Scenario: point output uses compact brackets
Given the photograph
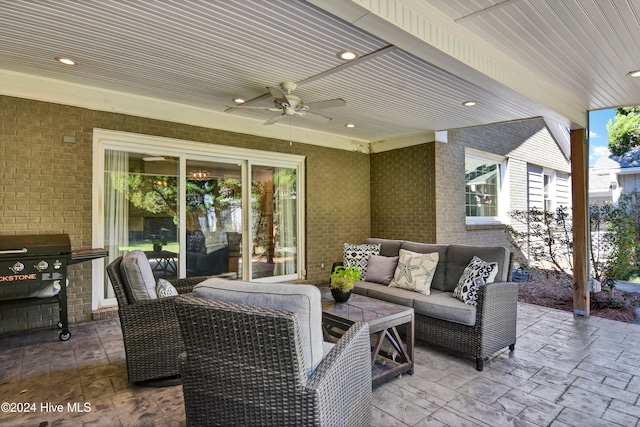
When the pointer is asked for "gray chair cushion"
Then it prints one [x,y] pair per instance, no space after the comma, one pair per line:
[459,256]
[304,300]
[442,305]
[140,284]
[438,281]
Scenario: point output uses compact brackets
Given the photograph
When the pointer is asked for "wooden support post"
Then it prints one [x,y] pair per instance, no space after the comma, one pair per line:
[581,300]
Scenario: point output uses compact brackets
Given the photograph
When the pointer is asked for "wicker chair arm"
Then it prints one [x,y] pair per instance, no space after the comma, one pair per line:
[497,304]
[498,294]
[185,285]
[148,311]
[342,381]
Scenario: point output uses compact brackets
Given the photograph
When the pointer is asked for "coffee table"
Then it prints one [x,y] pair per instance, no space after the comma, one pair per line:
[384,319]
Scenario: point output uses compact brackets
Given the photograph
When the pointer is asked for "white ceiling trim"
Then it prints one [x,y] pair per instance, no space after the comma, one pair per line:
[421,29]
[59,92]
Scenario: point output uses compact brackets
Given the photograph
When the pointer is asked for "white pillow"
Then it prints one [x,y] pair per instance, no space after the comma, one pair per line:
[165,289]
[415,271]
[476,274]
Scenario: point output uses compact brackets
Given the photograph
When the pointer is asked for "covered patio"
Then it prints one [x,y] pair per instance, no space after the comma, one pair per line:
[566,371]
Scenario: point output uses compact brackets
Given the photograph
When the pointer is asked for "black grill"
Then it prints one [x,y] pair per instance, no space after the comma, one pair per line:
[33,271]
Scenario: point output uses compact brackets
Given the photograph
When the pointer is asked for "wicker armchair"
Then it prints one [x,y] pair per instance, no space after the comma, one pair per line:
[243,365]
[152,340]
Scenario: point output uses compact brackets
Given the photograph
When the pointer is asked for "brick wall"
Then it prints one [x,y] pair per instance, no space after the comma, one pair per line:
[45,187]
[403,198]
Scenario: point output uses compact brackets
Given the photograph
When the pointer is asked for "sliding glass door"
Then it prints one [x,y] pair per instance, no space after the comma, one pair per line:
[273,221]
[214,220]
[197,209]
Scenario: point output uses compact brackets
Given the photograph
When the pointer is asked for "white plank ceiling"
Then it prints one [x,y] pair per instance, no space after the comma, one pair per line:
[201,54]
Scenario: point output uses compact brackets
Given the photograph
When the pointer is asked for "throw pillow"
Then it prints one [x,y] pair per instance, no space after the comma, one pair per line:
[476,274]
[359,255]
[138,277]
[380,269]
[415,271]
[165,289]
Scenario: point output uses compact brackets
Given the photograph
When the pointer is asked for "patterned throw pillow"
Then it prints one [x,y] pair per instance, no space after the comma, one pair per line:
[359,255]
[476,274]
[165,289]
[415,271]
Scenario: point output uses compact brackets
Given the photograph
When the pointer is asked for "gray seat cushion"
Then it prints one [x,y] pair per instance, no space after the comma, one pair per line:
[140,284]
[442,305]
[394,295]
[304,300]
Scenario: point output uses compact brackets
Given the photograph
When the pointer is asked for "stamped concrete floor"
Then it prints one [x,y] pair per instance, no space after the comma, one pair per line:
[565,371]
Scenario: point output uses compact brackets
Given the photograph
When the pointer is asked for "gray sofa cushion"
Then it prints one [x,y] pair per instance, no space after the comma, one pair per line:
[442,305]
[425,248]
[362,287]
[387,247]
[394,295]
[304,300]
[459,256]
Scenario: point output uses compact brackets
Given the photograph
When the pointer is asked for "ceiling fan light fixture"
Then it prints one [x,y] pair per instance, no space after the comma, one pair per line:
[348,55]
[66,61]
[239,100]
[469,103]
[635,73]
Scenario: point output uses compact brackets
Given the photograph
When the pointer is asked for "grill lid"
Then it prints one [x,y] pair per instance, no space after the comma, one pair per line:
[34,244]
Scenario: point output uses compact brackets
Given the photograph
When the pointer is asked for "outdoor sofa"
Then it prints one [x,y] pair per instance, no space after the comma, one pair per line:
[440,318]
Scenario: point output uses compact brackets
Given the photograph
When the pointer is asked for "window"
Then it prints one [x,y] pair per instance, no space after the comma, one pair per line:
[484,183]
[548,185]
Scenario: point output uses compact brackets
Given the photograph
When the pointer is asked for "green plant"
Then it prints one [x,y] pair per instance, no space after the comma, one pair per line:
[155,240]
[343,277]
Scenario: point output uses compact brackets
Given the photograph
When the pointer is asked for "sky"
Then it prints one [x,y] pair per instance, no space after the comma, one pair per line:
[598,138]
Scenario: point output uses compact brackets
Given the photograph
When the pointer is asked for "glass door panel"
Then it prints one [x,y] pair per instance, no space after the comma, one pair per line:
[213,218]
[141,209]
[273,221]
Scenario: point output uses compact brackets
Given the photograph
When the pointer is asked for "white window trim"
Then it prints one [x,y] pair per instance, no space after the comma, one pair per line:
[116,140]
[503,191]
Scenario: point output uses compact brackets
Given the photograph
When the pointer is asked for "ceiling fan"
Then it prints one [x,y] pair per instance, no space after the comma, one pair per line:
[290,105]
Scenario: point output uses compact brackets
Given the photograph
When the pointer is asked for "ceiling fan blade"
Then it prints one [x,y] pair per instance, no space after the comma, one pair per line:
[274,119]
[255,108]
[315,117]
[327,103]
[279,95]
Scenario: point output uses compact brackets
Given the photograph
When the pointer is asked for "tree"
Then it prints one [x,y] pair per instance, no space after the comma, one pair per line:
[624,130]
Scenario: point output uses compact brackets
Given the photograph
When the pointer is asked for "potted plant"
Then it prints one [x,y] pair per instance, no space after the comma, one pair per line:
[158,243]
[342,280]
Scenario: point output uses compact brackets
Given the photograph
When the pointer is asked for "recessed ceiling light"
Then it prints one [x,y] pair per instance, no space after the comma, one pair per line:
[635,73]
[239,100]
[66,61]
[469,103]
[350,125]
[348,55]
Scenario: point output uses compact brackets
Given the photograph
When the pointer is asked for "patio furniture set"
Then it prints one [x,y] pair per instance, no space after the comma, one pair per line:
[287,353]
